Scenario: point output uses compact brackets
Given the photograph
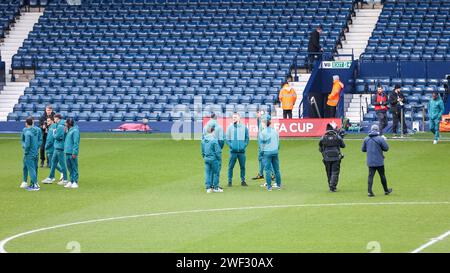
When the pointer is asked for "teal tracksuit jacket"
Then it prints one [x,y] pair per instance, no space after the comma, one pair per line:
[270,145]
[211,154]
[219,135]
[71,147]
[58,153]
[436,109]
[30,146]
[237,139]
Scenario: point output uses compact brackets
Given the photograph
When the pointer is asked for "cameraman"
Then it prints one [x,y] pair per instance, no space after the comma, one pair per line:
[330,146]
[44,127]
[397,101]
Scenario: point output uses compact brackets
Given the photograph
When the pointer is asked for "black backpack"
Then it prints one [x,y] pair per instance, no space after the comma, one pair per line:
[331,146]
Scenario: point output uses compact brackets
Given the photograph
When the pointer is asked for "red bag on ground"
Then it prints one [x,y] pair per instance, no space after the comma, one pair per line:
[134,127]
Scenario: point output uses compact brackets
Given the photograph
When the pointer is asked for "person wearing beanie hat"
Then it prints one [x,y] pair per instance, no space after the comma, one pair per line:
[397,102]
[374,145]
[330,145]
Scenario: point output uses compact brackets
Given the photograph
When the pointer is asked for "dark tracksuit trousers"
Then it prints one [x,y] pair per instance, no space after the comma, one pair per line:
[380,170]
[330,111]
[382,120]
[42,149]
[396,119]
[333,169]
[287,114]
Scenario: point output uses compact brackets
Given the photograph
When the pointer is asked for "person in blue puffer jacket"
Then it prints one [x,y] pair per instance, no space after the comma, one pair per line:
[211,154]
[237,139]
[270,146]
[374,145]
[71,149]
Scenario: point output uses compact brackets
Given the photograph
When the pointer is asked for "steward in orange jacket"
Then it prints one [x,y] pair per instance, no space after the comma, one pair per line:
[287,98]
[333,97]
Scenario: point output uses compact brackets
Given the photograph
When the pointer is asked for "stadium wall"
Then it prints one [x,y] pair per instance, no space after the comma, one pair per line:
[320,84]
[2,75]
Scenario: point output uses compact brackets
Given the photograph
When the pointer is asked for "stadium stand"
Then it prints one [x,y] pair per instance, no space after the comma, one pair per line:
[125,60]
[410,37]
[9,9]
[411,30]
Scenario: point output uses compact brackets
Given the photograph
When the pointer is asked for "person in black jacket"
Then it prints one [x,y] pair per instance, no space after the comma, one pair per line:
[397,102]
[44,127]
[330,146]
[314,46]
[447,90]
[380,101]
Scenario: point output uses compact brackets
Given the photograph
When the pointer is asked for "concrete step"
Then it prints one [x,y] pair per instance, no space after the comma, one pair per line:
[368,12]
[8,96]
[358,36]
[11,92]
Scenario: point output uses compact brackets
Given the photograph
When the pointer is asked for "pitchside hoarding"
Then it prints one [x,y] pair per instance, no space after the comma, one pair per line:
[285,127]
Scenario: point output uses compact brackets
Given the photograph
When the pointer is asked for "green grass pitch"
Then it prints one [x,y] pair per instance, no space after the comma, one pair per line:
[124,175]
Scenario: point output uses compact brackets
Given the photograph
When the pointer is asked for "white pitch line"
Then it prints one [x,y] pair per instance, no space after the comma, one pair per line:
[431,242]
[8,239]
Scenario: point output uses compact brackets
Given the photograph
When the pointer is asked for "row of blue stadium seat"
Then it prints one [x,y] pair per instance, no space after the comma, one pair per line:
[410,41]
[104,101]
[172,51]
[410,32]
[151,59]
[159,82]
[154,90]
[418,87]
[418,116]
[20,62]
[403,81]
[206,27]
[383,57]
[182,18]
[211,9]
[182,75]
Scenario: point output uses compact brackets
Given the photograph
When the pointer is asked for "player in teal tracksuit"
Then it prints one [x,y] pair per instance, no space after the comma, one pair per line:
[218,134]
[237,139]
[211,154]
[30,148]
[436,109]
[50,141]
[261,119]
[270,145]
[71,149]
[58,154]
[38,131]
